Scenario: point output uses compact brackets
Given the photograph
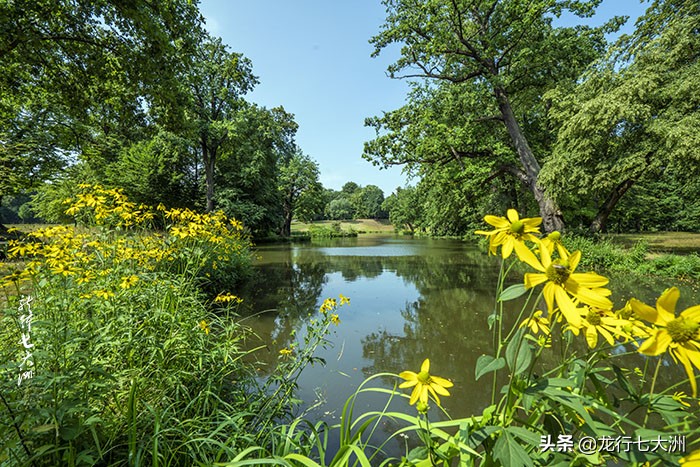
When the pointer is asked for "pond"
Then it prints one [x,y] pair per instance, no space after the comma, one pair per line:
[411,299]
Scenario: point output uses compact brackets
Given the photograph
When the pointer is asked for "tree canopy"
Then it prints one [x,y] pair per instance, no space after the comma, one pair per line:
[481,55]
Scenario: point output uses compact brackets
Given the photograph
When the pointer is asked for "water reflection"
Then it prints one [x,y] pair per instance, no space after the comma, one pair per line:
[410,299]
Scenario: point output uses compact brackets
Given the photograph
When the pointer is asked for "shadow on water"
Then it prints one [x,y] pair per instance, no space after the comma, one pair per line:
[411,299]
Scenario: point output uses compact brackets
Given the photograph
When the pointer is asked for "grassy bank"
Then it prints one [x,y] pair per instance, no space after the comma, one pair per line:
[660,242]
[648,254]
[358,225]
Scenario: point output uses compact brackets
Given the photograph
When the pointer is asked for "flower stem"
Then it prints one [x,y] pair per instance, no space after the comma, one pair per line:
[651,392]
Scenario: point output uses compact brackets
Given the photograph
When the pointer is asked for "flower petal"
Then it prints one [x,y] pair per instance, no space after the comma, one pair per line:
[441,381]
[408,375]
[415,394]
[667,301]
[574,259]
[408,384]
[657,344]
[439,389]
[548,292]
[424,393]
[526,255]
[589,279]
[512,215]
[507,246]
[591,336]
[682,355]
[534,279]
[532,224]
[567,307]
[425,366]
[648,313]
[432,391]
[498,222]
[592,297]
[692,313]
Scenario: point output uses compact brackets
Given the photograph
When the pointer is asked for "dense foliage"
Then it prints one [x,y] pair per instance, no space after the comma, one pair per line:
[121,345]
[512,110]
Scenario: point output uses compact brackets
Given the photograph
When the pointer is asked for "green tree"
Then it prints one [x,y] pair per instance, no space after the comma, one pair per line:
[248,170]
[340,208]
[404,208]
[367,202]
[77,76]
[349,188]
[500,57]
[298,186]
[216,84]
[634,116]
[161,169]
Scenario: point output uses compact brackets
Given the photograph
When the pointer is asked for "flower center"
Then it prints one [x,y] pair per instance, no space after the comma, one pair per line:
[682,330]
[558,272]
[593,317]
[554,236]
[517,228]
[424,377]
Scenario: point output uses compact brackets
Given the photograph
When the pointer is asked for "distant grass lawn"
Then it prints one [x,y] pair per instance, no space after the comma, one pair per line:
[661,242]
[359,225]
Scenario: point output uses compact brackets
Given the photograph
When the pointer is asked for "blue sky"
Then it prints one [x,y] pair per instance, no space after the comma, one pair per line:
[313,58]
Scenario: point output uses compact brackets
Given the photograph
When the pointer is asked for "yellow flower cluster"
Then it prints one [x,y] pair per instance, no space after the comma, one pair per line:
[90,257]
[583,301]
[107,207]
[227,298]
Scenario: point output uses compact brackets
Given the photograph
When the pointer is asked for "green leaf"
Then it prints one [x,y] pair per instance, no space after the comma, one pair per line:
[518,357]
[510,453]
[477,437]
[512,292]
[418,454]
[624,382]
[486,364]
[527,436]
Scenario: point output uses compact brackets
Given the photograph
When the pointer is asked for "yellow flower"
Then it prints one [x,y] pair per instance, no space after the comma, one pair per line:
[537,323]
[204,326]
[424,383]
[63,269]
[129,281]
[104,294]
[680,397]
[227,297]
[286,352]
[552,241]
[328,305]
[603,322]
[631,326]
[680,336]
[561,281]
[334,319]
[512,233]
[86,277]
[343,299]
[692,459]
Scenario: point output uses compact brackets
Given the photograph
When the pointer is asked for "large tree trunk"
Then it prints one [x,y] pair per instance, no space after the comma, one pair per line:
[286,230]
[552,218]
[599,223]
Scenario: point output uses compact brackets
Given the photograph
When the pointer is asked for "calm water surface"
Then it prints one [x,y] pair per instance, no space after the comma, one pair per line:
[411,299]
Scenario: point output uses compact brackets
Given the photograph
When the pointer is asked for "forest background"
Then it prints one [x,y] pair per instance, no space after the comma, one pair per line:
[592,135]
